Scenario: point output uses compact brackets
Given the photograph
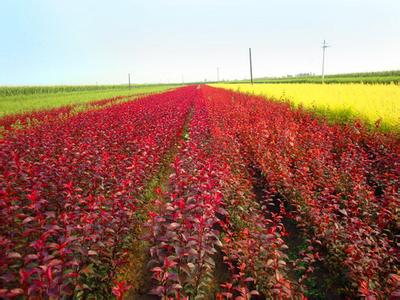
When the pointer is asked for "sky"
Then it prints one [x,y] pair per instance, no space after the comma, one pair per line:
[101,41]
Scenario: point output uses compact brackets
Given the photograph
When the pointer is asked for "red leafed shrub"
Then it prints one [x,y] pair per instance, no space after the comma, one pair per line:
[252,244]
[69,193]
[120,289]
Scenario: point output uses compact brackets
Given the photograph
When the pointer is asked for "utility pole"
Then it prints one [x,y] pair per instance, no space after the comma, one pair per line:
[324,46]
[217,74]
[129,80]
[251,67]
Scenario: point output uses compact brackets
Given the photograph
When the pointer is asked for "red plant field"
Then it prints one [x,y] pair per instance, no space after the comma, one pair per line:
[29,119]
[206,194]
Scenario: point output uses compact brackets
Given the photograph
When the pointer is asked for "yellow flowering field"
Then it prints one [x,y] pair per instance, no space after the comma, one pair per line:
[340,101]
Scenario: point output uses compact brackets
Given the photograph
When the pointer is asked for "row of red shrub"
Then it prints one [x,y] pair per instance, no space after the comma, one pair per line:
[184,232]
[28,119]
[253,245]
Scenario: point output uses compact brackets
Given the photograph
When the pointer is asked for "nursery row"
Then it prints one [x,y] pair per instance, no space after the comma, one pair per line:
[258,201]
[28,119]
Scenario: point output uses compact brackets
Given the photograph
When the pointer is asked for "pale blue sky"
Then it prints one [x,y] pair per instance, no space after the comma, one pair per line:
[89,41]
